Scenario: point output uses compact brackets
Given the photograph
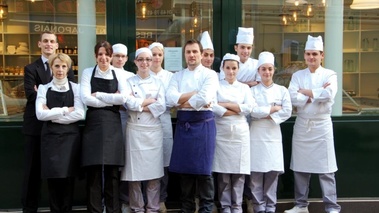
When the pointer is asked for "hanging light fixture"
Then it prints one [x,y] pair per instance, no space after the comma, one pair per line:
[284,19]
[195,14]
[364,4]
[297,2]
[141,9]
[308,12]
[3,10]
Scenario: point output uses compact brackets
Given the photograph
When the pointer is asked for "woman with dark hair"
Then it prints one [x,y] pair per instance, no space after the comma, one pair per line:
[58,104]
[103,90]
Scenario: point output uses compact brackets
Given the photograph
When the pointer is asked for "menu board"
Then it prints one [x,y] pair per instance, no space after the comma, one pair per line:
[173,59]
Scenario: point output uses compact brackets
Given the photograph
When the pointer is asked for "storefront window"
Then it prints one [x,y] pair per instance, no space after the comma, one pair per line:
[20,32]
[281,27]
[172,22]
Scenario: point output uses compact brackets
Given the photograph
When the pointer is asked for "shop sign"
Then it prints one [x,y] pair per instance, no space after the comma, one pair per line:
[63,29]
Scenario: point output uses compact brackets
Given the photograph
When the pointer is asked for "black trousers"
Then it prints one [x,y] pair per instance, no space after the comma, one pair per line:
[32,174]
[95,188]
[61,192]
[205,186]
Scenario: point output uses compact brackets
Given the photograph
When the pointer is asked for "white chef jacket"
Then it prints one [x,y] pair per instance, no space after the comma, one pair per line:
[265,134]
[248,71]
[165,76]
[201,79]
[312,141]
[144,134]
[232,153]
[103,99]
[59,114]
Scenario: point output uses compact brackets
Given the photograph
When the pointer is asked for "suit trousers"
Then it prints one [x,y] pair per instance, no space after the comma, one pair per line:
[32,174]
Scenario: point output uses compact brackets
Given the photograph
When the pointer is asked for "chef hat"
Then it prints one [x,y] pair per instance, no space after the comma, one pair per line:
[245,35]
[228,57]
[314,43]
[143,50]
[266,58]
[156,44]
[120,48]
[206,41]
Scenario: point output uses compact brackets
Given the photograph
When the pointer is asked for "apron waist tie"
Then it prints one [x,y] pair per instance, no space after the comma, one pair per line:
[310,124]
[187,124]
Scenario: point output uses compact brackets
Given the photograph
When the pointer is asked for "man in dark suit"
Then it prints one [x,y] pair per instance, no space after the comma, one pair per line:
[36,73]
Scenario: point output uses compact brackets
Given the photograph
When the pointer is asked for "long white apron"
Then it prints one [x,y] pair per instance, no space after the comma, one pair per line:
[313,145]
[144,152]
[167,137]
[266,146]
[232,153]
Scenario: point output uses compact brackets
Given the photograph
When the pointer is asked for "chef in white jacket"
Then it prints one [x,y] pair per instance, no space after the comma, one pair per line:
[156,70]
[232,153]
[192,91]
[274,107]
[208,55]
[248,66]
[144,135]
[119,58]
[312,92]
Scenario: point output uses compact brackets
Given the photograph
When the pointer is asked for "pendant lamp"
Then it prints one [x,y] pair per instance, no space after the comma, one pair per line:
[364,4]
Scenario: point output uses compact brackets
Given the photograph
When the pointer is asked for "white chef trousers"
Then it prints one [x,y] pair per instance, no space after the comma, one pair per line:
[230,192]
[263,186]
[328,188]
[136,200]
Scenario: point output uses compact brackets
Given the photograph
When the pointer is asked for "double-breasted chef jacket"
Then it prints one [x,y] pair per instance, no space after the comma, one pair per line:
[144,133]
[313,151]
[265,134]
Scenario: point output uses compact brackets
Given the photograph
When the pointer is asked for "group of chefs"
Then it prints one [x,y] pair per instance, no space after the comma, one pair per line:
[228,124]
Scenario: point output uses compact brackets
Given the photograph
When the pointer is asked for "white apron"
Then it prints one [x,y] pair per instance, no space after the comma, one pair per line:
[232,153]
[167,137]
[144,152]
[313,145]
[266,148]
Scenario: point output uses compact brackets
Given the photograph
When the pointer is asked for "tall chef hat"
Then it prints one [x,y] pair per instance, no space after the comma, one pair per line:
[229,56]
[120,48]
[266,58]
[206,41]
[156,44]
[245,35]
[314,43]
[143,50]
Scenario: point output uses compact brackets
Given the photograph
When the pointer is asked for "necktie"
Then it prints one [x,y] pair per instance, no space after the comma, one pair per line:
[48,70]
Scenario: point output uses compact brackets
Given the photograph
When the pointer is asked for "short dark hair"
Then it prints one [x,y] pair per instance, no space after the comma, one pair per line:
[193,41]
[106,45]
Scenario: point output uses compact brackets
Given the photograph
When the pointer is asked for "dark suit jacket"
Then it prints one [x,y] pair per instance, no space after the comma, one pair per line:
[34,75]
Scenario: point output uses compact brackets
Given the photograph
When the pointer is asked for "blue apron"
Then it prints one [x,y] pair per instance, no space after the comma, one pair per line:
[194,143]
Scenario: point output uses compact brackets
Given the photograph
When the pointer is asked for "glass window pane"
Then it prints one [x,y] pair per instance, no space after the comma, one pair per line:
[172,22]
[20,33]
[282,27]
